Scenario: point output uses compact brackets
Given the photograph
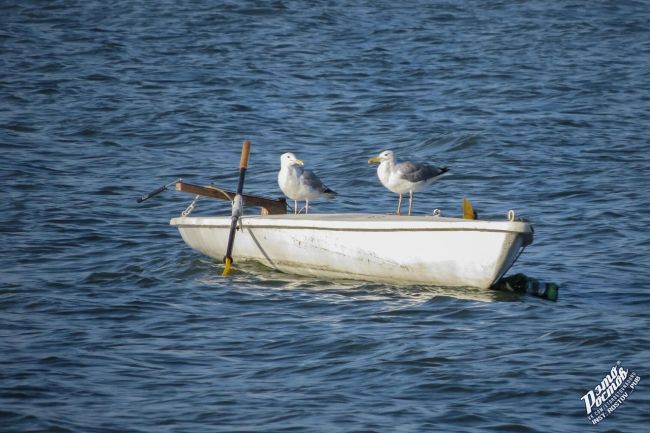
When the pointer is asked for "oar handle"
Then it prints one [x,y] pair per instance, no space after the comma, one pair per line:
[245,150]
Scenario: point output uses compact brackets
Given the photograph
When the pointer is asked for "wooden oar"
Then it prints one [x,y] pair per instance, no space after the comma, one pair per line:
[236,205]
[269,206]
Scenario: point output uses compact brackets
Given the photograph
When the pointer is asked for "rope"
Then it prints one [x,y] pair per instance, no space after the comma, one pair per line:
[222,192]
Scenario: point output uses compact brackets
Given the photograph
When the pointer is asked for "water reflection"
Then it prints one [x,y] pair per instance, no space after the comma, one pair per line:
[251,275]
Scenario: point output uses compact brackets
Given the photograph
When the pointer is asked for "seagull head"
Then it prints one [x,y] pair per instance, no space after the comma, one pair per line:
[386,155]
[289,159]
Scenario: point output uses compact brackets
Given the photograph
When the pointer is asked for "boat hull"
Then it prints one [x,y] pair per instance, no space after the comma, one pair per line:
[425,250]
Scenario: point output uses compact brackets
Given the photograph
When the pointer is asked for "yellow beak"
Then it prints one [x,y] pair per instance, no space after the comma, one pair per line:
[298,162]
[374,160]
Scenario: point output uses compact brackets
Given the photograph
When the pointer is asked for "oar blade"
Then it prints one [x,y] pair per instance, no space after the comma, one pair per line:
[227,269]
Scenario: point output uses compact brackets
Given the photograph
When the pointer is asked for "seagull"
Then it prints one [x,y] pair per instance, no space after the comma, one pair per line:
[298,183]
[405,176]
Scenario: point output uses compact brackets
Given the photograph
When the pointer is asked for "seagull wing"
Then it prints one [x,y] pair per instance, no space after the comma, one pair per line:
[416,172]
[312,181]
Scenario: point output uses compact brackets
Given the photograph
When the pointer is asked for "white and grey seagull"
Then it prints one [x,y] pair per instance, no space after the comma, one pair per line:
[405,176]
[299,183]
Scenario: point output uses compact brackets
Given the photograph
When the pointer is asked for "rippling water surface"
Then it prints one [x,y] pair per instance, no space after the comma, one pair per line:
[109,323]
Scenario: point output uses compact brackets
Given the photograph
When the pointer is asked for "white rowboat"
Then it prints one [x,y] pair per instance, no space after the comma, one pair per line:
[428,250]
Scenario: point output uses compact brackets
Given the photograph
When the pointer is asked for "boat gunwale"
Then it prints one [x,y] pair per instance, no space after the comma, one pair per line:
[520,227]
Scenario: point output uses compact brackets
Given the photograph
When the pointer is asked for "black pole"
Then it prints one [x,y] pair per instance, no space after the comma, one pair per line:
[237,205]
[148,195]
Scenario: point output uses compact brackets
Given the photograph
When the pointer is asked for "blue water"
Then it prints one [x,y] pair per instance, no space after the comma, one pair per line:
[110,323]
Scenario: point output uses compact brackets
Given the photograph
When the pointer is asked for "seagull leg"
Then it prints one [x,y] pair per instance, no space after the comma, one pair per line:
[399,203]
[410,201]
[295,207]
[306,207]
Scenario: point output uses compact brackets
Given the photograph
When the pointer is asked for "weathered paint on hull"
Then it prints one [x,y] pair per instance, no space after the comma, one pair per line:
[415,250]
